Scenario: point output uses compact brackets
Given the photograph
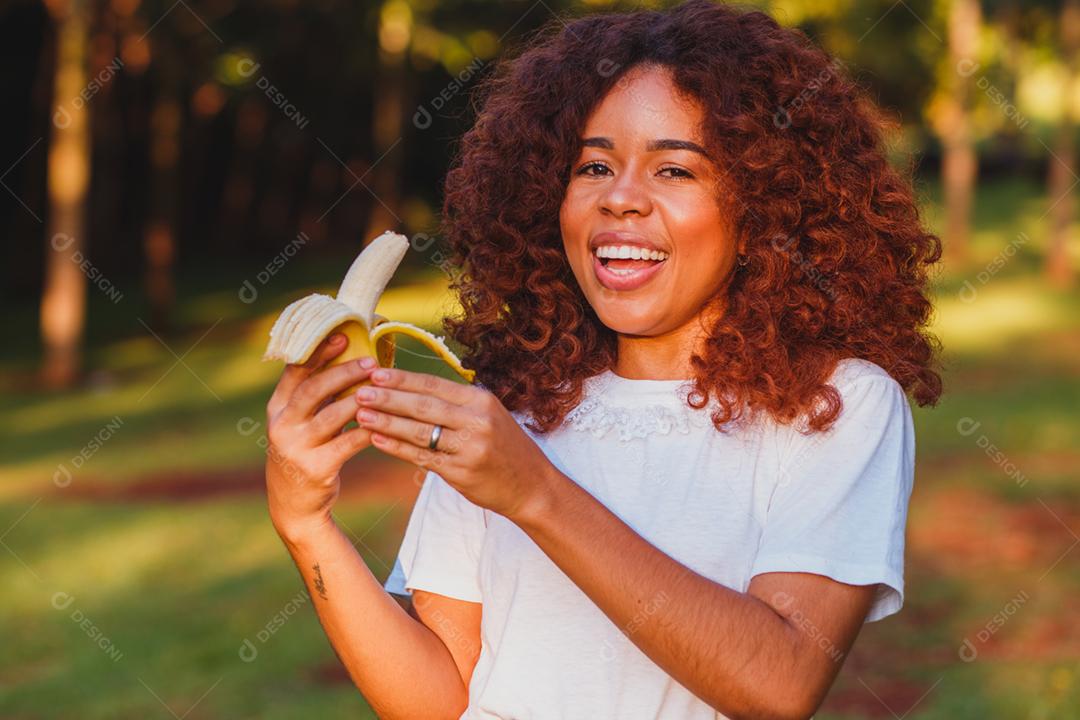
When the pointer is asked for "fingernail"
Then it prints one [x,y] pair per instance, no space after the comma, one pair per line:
[336,338]
[367,362]
[366,416]
[380,375]
[365,394]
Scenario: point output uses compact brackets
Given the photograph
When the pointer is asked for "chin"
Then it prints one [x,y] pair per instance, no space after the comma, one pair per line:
[625,319]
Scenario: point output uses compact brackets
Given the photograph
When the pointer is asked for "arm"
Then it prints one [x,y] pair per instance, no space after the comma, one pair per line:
[405,666]
[456,622]
[400,664]
[771,652]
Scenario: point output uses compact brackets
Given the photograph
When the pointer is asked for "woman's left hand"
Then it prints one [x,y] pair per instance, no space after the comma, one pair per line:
[482,451]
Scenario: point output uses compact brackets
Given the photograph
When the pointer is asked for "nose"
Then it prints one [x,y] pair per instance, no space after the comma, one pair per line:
[625,194]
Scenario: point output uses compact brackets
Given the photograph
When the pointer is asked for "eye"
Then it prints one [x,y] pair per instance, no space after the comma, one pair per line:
[583,170]
[678,173]
[681,173]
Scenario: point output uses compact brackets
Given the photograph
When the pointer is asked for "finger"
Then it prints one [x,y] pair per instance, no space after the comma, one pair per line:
[329,420]
[411,431]
[427,459]
[345,445]
[293,375]
[326,383]
[418,406]
[427,384]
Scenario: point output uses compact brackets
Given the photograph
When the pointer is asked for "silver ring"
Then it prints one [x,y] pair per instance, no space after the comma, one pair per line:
[435,433]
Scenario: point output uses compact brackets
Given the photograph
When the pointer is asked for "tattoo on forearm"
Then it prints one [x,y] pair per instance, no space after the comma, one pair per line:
[320,586]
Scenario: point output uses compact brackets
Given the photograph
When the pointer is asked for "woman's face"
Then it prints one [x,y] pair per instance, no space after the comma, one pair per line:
[643,184]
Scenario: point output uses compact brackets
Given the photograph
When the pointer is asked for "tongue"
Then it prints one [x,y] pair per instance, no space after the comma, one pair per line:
[629,264]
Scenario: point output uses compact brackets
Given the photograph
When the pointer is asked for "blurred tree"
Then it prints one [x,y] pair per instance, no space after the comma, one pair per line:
[1007,18]
[63,300]
[1060,181]
[389,101]
[953,123]
[159,234]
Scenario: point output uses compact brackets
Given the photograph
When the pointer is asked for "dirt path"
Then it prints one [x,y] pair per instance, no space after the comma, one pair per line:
[365,479]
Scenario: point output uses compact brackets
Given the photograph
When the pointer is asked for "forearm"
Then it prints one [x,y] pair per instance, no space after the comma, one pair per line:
[728,648]
[402,668]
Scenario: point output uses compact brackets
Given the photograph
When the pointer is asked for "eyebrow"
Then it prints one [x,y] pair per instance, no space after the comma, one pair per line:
[652,146]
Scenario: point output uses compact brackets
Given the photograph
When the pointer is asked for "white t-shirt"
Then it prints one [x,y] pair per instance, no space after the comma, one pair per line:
[762,498]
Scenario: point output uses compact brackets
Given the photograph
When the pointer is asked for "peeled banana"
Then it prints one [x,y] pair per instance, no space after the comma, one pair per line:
[305,323]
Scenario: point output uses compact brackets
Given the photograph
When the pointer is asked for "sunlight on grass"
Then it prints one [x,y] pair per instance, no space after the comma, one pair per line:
[177,416]
[1002,311]
[155,543]
[423,305]
[176,589]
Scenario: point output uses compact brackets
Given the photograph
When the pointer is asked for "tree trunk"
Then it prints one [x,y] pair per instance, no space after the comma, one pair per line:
[959,165]
[388,126]
[63,301]
[159,239]
[1063,167]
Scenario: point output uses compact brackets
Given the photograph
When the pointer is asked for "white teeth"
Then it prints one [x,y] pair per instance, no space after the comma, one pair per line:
[629,252]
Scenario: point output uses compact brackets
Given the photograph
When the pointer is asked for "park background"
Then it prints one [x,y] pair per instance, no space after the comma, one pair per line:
[173,172]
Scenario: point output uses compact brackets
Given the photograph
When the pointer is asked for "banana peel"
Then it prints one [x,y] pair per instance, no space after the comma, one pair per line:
[303,324]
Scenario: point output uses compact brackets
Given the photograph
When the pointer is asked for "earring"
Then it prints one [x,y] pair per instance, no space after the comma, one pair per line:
[743,260]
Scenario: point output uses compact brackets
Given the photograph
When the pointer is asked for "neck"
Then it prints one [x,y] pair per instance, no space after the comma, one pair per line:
[665,356]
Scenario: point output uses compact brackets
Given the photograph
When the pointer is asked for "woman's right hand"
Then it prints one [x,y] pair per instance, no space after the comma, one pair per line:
[306,445]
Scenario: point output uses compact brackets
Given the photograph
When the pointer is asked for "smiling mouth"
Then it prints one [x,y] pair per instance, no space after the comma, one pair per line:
[627,266]
[627,259]
[625,274]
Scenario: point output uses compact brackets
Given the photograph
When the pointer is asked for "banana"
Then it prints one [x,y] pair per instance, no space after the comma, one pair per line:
[303,324]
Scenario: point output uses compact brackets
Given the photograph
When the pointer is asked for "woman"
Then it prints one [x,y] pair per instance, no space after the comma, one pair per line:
[693,293]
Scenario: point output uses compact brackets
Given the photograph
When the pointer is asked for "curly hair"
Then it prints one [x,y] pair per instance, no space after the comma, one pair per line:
[838,257]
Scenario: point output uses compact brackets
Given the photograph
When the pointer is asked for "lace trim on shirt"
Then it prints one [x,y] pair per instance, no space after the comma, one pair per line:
[597,417]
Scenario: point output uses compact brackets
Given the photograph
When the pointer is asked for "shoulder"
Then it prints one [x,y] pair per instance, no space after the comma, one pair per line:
[852,370]
[522,417]
[873,428]
[867,392]
[871,402]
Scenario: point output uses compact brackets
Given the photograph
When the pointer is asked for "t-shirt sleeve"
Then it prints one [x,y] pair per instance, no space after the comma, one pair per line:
[441,548]
[840,505]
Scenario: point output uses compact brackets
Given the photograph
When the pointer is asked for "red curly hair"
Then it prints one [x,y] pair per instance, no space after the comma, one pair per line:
[838,257]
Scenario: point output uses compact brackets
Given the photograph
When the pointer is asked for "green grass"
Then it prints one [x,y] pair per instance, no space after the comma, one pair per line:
[177,587]
[177,591]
